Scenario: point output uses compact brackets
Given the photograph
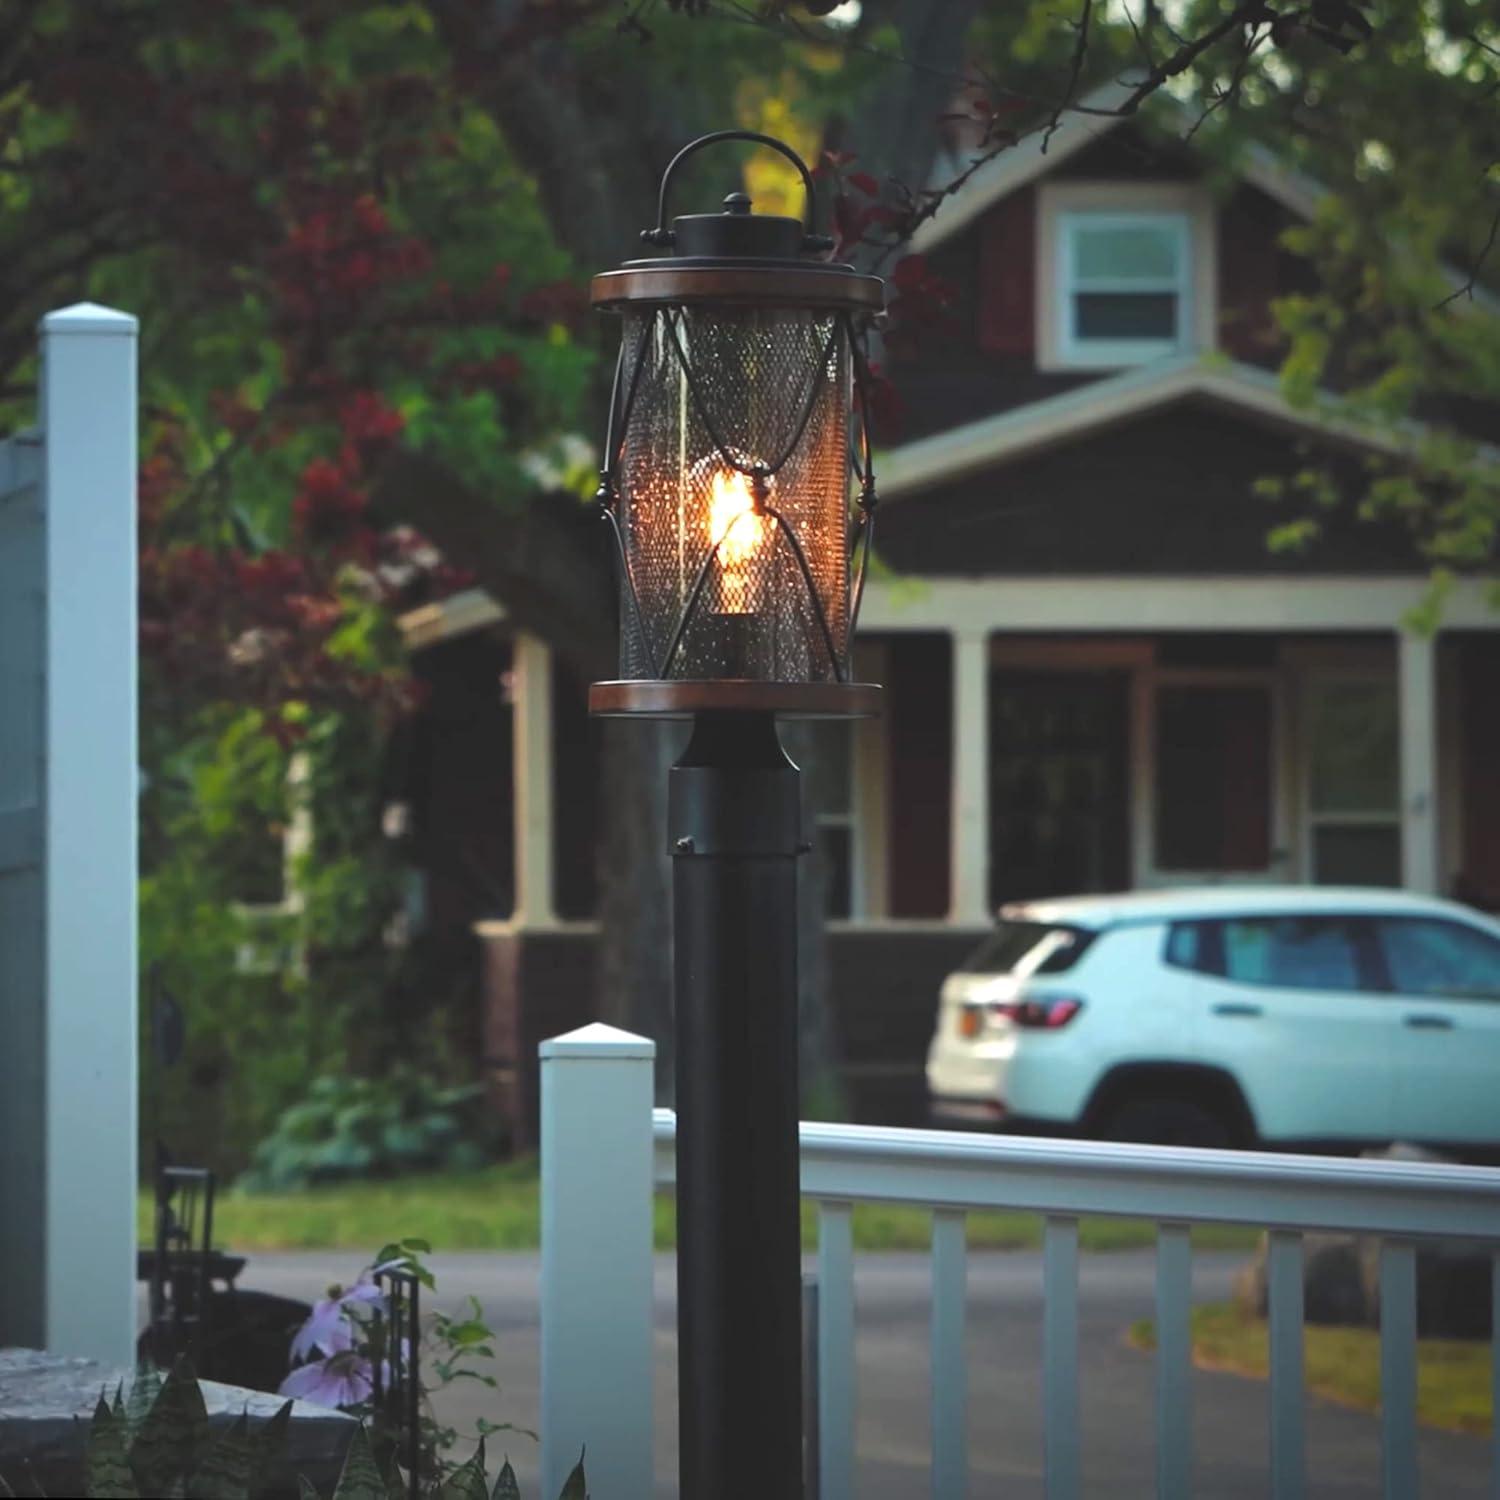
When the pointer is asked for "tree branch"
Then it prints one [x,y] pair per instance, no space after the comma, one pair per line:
[1075,70]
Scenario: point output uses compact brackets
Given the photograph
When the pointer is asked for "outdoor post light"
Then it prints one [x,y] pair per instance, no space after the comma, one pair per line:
[726,480]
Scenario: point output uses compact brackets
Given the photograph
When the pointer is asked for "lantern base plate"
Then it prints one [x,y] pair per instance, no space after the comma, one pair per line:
[653,698]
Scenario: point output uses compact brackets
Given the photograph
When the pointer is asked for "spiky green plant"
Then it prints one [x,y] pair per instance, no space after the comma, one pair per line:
[155,1441]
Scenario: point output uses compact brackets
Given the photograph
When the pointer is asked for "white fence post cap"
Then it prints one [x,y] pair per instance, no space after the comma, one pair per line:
[607,1043]
[88,317]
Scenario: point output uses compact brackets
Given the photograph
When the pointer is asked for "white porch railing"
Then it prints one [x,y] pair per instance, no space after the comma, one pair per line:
[954,1174]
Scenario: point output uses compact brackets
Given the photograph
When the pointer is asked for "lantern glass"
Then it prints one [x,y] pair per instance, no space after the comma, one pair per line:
[735,456]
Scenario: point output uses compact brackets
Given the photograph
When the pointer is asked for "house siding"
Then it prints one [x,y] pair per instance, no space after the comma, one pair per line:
[576,753]
[982,358]
[1170,493]
[919,713]
[457,778]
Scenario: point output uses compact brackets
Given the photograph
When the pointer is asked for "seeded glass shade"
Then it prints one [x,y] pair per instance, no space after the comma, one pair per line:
[723,393]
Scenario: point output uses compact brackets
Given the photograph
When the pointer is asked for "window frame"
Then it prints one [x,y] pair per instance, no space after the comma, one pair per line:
[1316,683]
[1197,324]
[1081,351]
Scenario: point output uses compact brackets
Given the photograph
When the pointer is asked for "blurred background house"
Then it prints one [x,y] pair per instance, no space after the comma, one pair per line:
[1098,674]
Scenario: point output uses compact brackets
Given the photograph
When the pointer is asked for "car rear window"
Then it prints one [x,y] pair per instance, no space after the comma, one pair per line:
[1035,947]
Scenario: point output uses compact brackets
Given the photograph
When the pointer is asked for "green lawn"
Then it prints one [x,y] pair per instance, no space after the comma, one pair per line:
[497,1209]
[1343,1364]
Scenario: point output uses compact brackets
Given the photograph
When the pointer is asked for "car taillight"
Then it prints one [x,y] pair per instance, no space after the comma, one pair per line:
[1038,1012]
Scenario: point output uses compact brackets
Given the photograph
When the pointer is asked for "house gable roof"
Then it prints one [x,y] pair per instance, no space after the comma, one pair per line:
[1043,151]
[1024,430]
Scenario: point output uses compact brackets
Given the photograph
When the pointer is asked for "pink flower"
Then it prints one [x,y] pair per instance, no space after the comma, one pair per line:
[343,1379]
[327,1330]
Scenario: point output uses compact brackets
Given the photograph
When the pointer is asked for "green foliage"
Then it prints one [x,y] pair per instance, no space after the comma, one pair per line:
[168,1451]
[350,1128]
[274,992]
[313,214]
[157,1442]
[452,1349]
[1395,332]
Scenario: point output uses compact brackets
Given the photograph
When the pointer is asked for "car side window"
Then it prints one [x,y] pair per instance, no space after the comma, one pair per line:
[1193,945]
[1295,953]
[1432,956]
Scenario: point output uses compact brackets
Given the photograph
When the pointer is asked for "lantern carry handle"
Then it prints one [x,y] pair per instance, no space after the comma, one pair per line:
[662,236]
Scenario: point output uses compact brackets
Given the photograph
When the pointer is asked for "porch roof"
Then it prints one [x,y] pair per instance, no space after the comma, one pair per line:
[1039,425]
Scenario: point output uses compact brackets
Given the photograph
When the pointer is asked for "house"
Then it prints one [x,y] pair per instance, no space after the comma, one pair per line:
[1098,674]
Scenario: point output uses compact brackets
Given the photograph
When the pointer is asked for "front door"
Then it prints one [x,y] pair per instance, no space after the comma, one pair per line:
[1058,803]
[1206,754]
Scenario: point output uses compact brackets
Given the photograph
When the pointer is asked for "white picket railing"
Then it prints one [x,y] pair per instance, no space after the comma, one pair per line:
[955,1174]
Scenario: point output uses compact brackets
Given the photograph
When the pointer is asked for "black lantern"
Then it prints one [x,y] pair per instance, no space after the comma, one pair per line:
[737,421]
[738,429]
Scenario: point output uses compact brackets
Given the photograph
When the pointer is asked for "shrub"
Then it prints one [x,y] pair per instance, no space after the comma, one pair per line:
[372,1127]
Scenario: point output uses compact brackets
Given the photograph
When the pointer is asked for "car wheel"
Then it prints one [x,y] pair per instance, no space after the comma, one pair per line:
[1166,1122]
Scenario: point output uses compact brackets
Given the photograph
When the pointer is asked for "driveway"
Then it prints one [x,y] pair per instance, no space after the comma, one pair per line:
[1230,1414]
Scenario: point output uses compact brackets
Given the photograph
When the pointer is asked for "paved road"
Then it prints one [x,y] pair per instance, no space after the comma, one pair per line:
[1004,1353]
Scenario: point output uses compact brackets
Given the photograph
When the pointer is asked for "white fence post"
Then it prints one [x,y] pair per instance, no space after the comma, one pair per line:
[597,1093]
[89,429]
[68,791]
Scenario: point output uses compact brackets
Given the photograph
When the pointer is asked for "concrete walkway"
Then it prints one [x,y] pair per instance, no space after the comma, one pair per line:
[1230,1414]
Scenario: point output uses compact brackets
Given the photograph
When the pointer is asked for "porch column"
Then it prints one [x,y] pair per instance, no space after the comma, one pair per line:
[969,848]
[531,726]
[871,795]
[1417,676]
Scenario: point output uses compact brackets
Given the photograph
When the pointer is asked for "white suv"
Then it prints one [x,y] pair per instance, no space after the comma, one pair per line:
[1229,1016]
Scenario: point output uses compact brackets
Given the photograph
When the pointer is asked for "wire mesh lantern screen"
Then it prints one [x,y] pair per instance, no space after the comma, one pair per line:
[734,449]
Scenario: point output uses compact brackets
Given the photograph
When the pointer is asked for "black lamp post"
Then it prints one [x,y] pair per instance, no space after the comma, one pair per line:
[726,481]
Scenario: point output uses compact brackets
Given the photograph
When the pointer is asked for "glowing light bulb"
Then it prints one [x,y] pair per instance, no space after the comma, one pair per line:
[739,530]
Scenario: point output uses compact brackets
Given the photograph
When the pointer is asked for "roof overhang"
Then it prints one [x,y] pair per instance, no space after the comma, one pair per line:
[1025,430]
[430,624]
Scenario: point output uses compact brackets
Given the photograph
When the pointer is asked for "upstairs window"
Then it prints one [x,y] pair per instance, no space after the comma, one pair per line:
[1124,287]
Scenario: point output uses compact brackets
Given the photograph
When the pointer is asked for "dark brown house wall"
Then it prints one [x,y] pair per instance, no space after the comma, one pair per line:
[884,989]
[536,984]
[1254,270]
[919,703]
[1172,492]
[457,778]
[1007,276]
[980,357]
[575,795]
[1131,153]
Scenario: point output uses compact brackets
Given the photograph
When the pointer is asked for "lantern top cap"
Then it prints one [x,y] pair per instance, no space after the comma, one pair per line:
[737,255]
